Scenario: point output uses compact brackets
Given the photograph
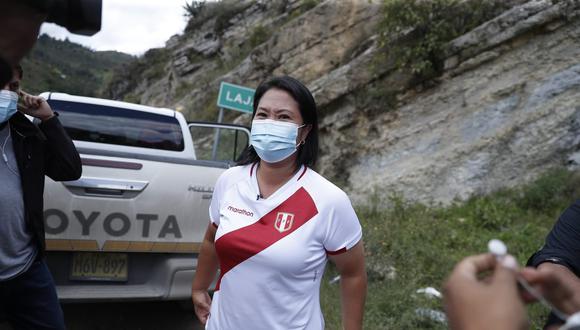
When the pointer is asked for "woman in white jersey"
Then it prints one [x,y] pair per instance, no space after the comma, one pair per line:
[274,223]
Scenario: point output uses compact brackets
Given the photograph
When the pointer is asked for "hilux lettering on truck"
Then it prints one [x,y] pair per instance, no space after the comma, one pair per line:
[115,224]
[131,227]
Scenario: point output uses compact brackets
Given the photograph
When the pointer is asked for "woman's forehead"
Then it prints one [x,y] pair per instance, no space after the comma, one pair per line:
[278,99]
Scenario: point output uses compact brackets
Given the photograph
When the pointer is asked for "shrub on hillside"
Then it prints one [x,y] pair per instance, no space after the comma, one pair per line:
[200,11]
[415,32]
[549,190]
[194,9]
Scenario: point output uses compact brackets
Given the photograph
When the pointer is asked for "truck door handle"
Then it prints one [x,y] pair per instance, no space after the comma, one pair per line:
[106,187]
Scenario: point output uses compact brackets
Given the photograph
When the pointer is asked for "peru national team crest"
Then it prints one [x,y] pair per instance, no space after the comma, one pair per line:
[283,221]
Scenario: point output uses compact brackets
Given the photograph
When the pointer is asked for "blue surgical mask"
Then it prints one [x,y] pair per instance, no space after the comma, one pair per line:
[273,140]
[8,101]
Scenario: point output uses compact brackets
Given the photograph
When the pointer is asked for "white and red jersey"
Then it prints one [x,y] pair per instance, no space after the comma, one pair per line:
[273,251]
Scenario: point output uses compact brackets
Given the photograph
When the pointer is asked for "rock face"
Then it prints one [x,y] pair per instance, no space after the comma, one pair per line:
[505,109]
[504,113]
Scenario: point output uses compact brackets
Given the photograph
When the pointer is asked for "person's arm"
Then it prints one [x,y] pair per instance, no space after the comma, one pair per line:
[62,160]
[353,285]
[206,270]
[562,244]
[472,303]
[561,250]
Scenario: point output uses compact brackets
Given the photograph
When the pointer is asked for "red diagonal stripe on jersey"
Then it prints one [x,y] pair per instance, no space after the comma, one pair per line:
[239,245]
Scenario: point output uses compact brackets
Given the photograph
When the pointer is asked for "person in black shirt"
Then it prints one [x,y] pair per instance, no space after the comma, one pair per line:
[561,253]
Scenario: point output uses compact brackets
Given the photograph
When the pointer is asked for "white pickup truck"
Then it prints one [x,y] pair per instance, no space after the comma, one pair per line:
[131,227]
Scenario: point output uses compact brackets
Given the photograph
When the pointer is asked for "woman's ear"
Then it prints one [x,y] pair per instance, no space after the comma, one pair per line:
[304,134]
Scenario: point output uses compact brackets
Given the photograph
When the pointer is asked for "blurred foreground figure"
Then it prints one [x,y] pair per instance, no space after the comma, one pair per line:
[20,22]
[482,293]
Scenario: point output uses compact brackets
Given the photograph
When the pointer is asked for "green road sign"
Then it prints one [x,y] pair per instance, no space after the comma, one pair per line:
[235,97]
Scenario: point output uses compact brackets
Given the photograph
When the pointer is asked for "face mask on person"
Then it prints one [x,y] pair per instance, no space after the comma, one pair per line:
[8,101]
[274,140]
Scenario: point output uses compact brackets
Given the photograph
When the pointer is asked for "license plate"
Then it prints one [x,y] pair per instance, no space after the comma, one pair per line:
[91,266]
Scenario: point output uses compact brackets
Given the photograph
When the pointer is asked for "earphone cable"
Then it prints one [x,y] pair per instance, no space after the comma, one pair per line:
[4,156]
[4,146]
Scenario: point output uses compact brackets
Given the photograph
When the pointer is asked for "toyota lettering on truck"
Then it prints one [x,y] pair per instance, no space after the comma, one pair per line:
[131,227]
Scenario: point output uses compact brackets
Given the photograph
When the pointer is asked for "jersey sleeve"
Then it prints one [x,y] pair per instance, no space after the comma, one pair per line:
[214,206]
[343,230]
[562,244]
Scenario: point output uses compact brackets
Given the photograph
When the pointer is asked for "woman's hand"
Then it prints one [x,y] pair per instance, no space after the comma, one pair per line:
[489,303]
[201,304]
[207,264]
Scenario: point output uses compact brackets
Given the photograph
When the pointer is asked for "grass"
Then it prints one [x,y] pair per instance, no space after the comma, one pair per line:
[411,246]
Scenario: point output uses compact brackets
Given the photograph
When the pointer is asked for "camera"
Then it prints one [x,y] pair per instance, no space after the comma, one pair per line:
[77,16]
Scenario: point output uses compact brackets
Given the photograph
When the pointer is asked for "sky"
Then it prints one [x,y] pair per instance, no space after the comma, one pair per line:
[130,26]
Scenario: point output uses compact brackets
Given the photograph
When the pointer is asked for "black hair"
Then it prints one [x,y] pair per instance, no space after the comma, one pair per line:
[5,72]
[308,152]
[19,70]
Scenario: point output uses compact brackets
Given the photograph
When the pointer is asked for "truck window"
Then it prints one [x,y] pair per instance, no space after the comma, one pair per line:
[218,144]
[112,125]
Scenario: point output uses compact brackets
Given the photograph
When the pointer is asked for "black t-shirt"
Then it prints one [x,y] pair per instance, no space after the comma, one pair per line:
[562,246]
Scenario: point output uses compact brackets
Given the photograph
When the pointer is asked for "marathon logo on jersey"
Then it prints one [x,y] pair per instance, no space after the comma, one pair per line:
[283,221]
[241,211]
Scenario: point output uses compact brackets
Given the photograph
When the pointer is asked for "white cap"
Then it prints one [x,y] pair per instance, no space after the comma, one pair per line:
[497,248]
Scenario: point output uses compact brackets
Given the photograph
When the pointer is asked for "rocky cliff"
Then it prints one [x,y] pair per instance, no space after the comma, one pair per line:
[504,109]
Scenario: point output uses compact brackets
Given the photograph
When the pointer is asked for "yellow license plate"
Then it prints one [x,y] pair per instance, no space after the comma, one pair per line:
[91,266]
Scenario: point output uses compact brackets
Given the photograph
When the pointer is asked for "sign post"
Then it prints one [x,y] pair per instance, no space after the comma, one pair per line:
[233,97]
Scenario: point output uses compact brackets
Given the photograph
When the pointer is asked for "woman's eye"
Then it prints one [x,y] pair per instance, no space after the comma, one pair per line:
[261,115]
